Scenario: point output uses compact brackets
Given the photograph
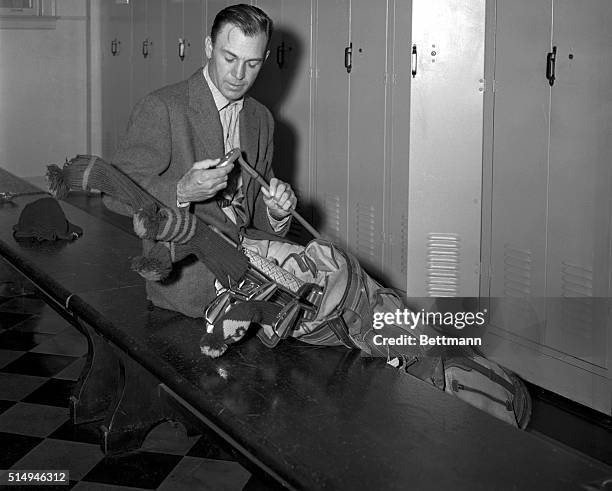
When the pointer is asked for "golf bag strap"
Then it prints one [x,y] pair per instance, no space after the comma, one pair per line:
[338,327]
[471,364]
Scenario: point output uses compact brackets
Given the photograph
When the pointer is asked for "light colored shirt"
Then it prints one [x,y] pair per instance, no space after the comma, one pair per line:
[229,114]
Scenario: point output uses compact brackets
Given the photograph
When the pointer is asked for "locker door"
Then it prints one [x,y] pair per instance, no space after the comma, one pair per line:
[520,166]
[139,62]
[116,74]
[173,35]
[331,119]
[269,84]
[193,31]
[147,60]
[398,109]
[284,86]
[446,148]
[293,128]
[367,156]
[579,193]
[155,59]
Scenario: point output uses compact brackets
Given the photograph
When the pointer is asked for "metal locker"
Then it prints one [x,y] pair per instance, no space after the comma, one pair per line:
[446,147]
[367,168]
[154,46]
[551,201]
[174,41]
[398,145]
[116,74]
[147,59]
[293,58]
[194,32]
[139,46]
[331,118]
[579,193]
[520,156]
[147,55]
[284,86]
[269,84]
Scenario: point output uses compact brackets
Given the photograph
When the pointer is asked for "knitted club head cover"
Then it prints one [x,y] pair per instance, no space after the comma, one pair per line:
[179,227]
[156,266]
[88,172]
[233,325]
[166,224]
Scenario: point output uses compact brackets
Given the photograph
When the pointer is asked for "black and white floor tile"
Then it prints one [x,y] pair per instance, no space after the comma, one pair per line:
[41,357]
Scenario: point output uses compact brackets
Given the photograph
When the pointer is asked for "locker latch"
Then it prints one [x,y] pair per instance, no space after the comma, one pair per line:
[348,58]
[145,48]
[181,48]
[114,47]
[414,60]
[550,66]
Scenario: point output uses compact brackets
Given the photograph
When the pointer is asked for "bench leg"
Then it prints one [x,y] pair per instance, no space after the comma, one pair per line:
[96,387]
[137,408]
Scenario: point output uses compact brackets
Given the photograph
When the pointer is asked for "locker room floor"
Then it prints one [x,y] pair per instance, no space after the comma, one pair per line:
[40,359]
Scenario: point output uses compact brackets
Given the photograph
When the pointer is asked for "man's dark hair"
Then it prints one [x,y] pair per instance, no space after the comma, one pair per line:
[249,19]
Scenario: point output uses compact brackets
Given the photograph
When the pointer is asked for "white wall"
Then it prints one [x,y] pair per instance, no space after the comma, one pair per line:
[43,92]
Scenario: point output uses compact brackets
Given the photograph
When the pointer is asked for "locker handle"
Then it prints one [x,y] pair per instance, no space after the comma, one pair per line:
[145,48]
[280,55]
[181,48]
[550,66]
[348,58]
[414,60]
[114,47]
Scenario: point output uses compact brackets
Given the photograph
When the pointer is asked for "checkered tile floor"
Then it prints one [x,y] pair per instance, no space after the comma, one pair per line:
[41,356]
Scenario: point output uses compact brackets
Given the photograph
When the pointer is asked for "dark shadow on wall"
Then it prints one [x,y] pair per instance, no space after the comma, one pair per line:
[273,87]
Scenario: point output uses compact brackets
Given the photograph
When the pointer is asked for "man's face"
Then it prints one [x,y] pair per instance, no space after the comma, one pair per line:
[234,60]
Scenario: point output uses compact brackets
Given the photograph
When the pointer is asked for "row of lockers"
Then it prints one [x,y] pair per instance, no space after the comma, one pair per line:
[549,223]
[340,84]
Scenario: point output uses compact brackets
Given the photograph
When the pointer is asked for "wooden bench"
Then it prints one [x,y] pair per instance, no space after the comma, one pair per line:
[306,417]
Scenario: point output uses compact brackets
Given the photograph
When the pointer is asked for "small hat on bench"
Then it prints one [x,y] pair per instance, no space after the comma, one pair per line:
[44,219]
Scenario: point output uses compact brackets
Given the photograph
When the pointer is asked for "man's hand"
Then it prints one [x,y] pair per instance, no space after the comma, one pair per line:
[202,181]
[280,199]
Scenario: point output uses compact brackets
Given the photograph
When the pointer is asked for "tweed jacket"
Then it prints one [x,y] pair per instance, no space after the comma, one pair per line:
[168,131]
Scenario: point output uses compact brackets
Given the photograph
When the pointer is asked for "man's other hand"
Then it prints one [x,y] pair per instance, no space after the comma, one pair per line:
[280,199]
[202,181]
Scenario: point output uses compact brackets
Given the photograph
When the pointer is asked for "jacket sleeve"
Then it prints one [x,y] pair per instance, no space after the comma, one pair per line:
[145,151]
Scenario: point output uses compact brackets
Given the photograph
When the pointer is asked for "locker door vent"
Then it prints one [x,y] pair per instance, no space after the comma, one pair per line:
[576,281]
[365,229]
[443,252]
[331,204]
[517,272]
[577,304]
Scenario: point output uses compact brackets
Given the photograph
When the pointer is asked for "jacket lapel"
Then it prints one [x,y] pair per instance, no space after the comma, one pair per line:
[249,141]
[204,116]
